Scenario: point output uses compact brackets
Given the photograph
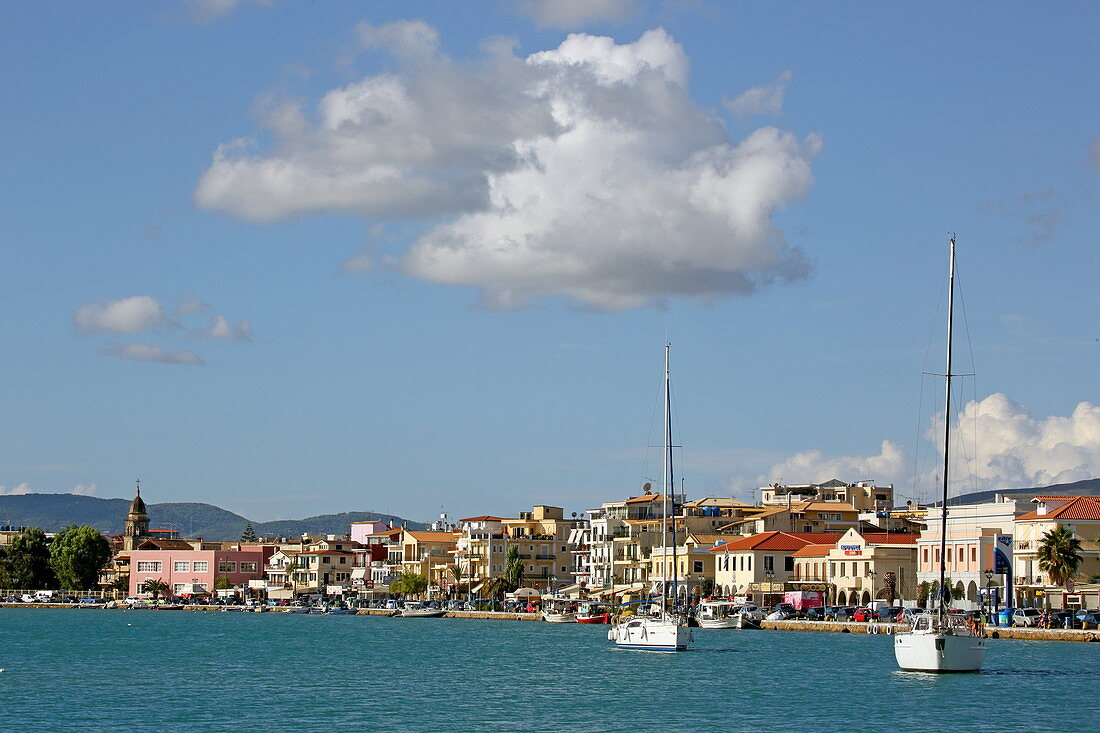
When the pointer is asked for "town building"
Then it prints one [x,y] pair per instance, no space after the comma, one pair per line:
[759,567]
[190,572]
[862,567]
[864,496]
[1081,515]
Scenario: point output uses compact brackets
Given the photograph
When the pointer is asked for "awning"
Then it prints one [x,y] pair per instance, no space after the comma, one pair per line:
[525,593]
[359,573]
[477,588]
[570,588]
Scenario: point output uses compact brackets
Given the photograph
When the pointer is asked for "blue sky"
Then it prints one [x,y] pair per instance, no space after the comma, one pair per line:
[296,258]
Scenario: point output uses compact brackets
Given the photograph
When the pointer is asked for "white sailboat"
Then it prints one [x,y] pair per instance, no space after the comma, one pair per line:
[664,631]
[938,641]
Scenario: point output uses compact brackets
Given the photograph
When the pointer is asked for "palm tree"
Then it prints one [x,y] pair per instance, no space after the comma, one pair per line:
[1059,554]
[409,584]
[497,587]
[155,587]
[456,573]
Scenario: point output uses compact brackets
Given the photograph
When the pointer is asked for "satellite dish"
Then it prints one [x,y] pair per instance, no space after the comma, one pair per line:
[647,487]
[574,515]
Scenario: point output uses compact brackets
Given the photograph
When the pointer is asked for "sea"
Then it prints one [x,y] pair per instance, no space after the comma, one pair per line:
[109,670]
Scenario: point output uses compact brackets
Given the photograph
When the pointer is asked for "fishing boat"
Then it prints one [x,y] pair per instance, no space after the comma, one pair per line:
[559,611]
[938,641]
[717,615]
[593,613]
[665,631]
[417,609]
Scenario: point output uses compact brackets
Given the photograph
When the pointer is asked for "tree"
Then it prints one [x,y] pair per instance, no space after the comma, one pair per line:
[121,584]
[154,587]
[1059,553]
[409,584]
[77,555]
[222,583]
[890,586]
[456,573]
[513,567]
[924,590]
[249,534]
[497,587]
[27,565]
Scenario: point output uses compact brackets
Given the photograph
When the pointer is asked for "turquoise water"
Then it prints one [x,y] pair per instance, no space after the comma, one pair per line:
[194,671]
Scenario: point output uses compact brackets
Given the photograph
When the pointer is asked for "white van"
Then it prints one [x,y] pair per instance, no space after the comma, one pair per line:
[44,596]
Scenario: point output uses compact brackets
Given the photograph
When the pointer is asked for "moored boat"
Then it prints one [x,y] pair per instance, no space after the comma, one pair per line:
[416,609]
[593,613]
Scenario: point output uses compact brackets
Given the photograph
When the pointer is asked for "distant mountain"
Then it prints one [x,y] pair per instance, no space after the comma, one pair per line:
[1088,487]
[52,512]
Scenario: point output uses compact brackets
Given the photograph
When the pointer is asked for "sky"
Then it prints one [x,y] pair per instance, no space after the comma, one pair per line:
[295,258]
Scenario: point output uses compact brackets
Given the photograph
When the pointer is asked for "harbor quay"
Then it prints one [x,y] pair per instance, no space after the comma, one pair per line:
[826,556]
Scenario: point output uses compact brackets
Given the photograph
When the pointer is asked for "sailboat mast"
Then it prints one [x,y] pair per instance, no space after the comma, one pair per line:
[946,431]
[665,468]
[671,479]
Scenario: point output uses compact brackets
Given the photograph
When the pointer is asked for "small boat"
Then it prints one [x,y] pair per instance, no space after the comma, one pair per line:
[416,609]
[559,611]
[718,615]
[233,609]
[748,617]
[593,613]
[939,641]
[169,607]
[295,609]
[341,611]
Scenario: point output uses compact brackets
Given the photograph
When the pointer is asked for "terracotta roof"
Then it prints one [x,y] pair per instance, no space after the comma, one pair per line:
[821,506]
[1075,507]
[486,518]
[644,498]
[778,541]
[433,536]
[813,551]
[387,533]
[327,552]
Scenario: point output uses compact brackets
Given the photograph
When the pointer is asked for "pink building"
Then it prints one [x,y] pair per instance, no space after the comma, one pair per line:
[361,531]
[192,572]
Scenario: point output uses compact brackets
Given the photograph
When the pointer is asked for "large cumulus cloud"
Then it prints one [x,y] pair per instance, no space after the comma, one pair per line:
[585,171]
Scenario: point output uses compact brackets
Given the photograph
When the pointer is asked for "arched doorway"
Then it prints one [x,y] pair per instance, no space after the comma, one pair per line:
[972,592]
[866,599]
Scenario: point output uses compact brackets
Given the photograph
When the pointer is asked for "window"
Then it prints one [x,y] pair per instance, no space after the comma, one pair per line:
[750,562]
[788,563]
[179,588]
[837,517]
[326,559]
[249,567]
[973,554]
[842,569]
[180,567]
[696,566]
[148,566]
[343,560]
[769,564]
[227,566]
[200,567]
[867,569]
[563,569]
[313,576]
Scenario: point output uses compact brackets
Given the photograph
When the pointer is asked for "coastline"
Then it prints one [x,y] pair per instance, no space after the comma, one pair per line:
[836,627]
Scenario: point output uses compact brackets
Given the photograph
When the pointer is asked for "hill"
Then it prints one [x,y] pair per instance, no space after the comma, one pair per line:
[1088,487]
[52,512]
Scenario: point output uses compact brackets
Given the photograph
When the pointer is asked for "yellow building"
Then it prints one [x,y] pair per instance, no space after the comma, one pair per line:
[1081,515]
[854,568]
[759,567]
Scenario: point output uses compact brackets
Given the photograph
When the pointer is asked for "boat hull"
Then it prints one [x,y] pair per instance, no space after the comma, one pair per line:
[421,614]
[559,618]
[939,652]
[602,618]
[718,623]
[651,635]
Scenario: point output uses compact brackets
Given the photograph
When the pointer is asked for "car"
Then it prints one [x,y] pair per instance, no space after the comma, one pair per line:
[1090,620]
[1064,620]
[815,613]
[845,613]
[864,615]
[1026,617]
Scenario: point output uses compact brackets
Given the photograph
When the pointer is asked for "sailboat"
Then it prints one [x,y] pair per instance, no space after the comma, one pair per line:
[663,631]
[940,641]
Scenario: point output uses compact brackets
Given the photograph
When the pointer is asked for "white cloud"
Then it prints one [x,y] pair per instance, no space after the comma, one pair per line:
[153,353]
[85,489]
[572,14]
[18,490]
[766,99]
[997,445]
[585,171]
[813,466]
[126,315]
[412,40]
[220,329]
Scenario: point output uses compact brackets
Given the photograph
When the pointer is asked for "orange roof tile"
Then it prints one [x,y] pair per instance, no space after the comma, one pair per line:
[644,498]
[486,518]
[814,551]
[1075,507]
[775,540]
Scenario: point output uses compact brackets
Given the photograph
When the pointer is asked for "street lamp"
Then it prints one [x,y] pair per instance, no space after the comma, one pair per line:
[871,596]
[988,591]
[769,575]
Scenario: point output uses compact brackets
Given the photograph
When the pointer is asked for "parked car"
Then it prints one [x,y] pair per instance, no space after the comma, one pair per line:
[1089,620]
[846,613]
[1026,617]
[815,613]
[863,614]
[1064,620]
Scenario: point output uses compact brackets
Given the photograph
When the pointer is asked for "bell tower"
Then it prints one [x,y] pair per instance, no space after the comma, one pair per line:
[137,522]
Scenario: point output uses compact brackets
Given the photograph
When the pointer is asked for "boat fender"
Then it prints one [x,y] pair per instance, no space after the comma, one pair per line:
[890,629]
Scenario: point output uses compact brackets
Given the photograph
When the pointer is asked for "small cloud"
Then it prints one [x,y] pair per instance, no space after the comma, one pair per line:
[359,262]
[190,305]
[85,490]
[409,40]
[766,99]
[153,353]
[23,488]
[1040,211]
[206,10]
[1093,159]
[572,14]
[126,315]
[152,232]
[221,330]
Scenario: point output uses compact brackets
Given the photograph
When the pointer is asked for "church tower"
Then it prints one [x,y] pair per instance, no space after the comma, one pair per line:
[137,523]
